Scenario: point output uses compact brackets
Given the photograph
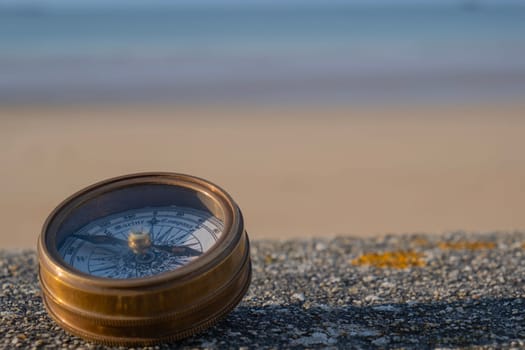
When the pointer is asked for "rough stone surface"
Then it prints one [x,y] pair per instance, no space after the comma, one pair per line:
[467,290]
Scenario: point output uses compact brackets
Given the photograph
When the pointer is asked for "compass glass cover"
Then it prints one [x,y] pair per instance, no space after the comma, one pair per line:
[141,242]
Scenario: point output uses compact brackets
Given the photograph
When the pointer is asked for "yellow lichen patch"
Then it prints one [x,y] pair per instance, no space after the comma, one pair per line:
[419,241]
[395,260]
[463,245]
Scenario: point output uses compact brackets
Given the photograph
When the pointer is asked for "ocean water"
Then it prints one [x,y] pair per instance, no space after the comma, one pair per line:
[283,52]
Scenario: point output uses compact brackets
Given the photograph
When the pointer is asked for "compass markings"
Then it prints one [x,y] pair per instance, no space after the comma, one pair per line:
[102,269]
[162,236]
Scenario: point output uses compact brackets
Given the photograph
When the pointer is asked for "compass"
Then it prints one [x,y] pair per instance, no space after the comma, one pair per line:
[143,258]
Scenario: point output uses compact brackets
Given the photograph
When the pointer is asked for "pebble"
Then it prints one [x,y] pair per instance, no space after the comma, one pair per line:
[307,293]
[385,308]
[317,338]
[298,297]
[383,341]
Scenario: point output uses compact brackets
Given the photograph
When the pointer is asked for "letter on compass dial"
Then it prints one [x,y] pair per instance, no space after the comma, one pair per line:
[141,242]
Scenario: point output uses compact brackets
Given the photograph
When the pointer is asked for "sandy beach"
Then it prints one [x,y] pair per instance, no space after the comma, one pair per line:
[294,171]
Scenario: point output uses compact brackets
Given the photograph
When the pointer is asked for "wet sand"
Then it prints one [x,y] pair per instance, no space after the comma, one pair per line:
[294,171]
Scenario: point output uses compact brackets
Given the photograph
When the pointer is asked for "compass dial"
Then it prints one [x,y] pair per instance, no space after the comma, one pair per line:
[141,242]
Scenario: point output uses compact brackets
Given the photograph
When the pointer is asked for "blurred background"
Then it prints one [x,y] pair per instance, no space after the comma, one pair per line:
[321,118]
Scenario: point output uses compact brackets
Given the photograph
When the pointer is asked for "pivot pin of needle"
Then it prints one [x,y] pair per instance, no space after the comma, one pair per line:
[139,242]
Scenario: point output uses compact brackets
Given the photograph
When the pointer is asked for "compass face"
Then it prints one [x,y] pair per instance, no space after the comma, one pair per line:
[141,242]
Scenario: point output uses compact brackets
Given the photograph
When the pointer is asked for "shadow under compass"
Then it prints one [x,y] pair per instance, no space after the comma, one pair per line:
[489,322]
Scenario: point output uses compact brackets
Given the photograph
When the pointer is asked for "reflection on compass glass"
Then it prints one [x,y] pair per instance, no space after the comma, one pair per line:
[141,242]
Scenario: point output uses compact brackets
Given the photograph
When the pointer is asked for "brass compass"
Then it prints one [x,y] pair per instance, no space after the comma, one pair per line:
[143,258]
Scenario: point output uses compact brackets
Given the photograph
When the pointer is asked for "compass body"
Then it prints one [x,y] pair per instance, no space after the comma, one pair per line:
[143,258]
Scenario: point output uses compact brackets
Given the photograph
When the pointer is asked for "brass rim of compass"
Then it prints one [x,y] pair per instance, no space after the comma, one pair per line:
[168,306]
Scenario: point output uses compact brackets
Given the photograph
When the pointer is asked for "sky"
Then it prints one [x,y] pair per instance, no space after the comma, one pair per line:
[110,3]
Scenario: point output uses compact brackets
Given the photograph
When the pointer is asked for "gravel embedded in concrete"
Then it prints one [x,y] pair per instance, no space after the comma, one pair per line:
[467,291]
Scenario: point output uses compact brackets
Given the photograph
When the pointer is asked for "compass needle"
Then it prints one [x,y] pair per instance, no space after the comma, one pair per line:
[185,250]
[144,258]
[99,239]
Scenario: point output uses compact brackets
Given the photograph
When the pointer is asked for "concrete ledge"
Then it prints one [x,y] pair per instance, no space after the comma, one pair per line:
[412,291]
